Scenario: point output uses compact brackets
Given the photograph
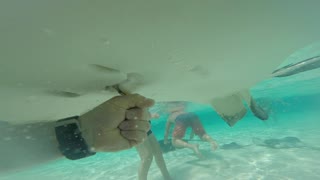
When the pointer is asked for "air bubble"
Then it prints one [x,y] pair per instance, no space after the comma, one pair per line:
[47,31]
[7,138]
[105,41]
[20,84]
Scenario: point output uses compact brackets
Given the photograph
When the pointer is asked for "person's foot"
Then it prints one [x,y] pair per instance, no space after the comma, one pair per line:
[214,146]
[195,148]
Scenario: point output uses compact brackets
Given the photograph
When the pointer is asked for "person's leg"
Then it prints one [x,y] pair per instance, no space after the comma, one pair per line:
[178,133]
[159,157]
[199,130]
[179,143]
[210,140]
[145,151]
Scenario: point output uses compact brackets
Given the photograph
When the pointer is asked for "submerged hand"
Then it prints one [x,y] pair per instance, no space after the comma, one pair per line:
[214,146]
[117,124]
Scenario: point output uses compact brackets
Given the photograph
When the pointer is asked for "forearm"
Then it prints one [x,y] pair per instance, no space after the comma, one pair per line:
[26,145]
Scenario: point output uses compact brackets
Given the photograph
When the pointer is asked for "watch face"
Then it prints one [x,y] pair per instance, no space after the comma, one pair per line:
[69,120]
[71,143]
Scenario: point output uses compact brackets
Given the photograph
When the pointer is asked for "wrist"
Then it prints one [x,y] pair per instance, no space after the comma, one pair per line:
[86,132]
[91,135]
[72,140]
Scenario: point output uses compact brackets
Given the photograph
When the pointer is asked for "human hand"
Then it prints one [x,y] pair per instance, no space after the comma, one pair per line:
[117,124]
[214,145]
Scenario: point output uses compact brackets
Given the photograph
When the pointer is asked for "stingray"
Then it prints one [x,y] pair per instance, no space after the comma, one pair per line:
[59,58]
[232,146]
[280,143]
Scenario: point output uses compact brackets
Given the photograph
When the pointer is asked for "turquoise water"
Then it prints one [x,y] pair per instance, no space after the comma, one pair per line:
[293,104]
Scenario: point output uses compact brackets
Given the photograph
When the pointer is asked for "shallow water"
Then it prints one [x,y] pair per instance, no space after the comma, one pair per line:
[293,104]
[57,39]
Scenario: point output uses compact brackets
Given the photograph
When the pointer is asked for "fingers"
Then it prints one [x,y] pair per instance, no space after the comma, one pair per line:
[113,142]
[134,137]
[135,128]
[138,114]
[131,101]
[135,125]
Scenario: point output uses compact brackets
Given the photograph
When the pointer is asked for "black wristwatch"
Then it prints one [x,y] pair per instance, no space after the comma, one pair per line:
[71,143]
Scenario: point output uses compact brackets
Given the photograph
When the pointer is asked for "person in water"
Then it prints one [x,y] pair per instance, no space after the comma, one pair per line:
[182,121]
[147,150]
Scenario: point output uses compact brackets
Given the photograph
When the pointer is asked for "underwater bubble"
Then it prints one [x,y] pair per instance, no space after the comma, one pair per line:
[48,31]
[105,41]
[7,138]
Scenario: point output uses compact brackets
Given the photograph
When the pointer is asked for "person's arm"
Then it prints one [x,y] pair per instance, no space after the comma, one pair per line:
[27,144]
[117,124]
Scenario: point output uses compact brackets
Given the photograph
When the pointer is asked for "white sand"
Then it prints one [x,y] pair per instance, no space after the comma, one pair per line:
[251,162]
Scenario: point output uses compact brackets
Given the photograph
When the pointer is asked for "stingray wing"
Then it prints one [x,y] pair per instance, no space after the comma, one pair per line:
[184,50]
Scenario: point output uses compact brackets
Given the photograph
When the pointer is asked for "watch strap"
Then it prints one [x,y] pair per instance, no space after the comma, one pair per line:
[71,143]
